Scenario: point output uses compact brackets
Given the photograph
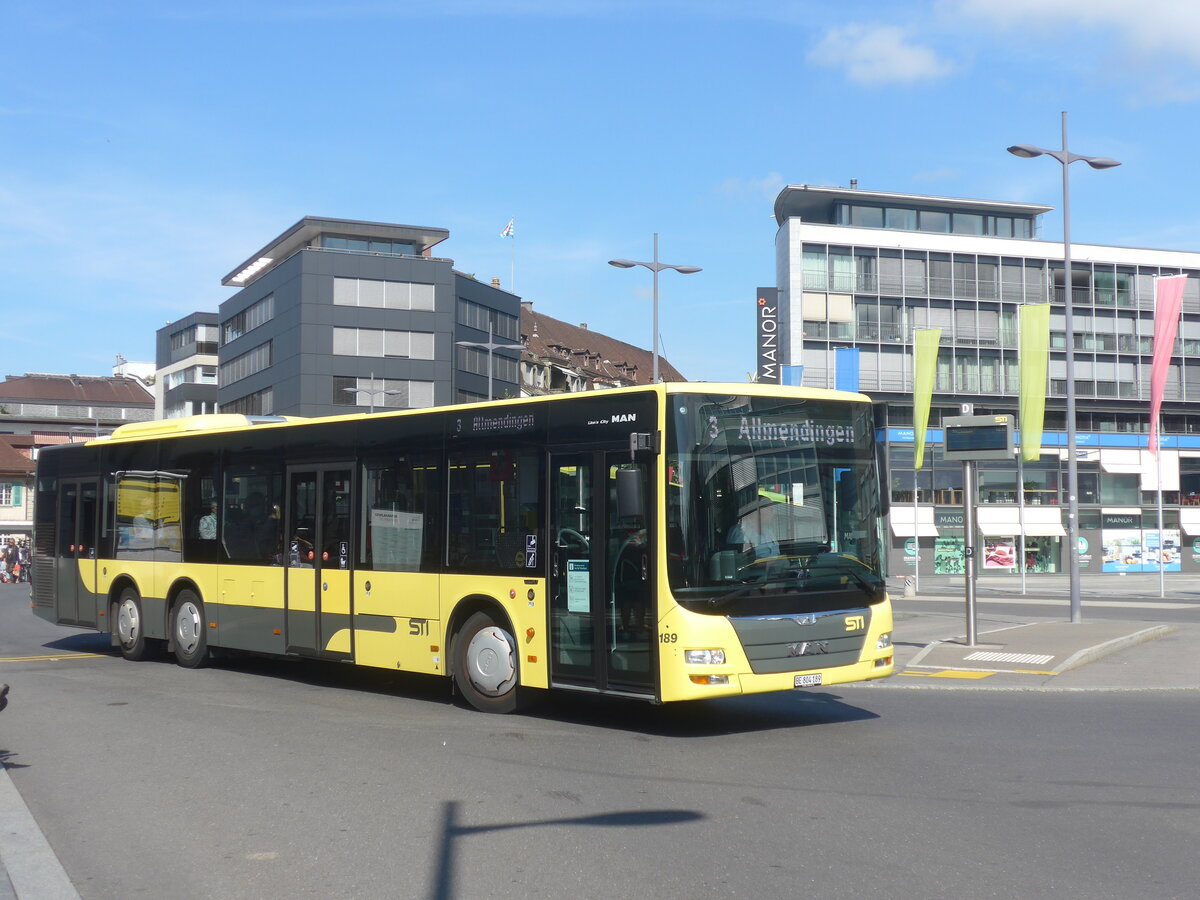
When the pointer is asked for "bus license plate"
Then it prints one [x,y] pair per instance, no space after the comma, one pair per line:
[808,680]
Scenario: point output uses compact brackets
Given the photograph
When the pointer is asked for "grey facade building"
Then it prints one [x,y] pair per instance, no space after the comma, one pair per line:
[860,270]
[335,315]
[185,359]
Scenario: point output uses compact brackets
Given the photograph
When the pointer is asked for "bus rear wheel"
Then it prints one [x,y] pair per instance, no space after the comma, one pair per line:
[485,664]
[188,630]
[130,625]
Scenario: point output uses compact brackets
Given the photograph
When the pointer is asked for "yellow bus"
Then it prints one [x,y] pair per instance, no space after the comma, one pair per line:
[672,542]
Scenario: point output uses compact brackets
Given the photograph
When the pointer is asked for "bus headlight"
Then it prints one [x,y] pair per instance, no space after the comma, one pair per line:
[704,657]
[885,641]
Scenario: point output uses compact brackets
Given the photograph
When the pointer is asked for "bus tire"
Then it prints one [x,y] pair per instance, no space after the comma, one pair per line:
[485,664]
[130,626]
[188,630]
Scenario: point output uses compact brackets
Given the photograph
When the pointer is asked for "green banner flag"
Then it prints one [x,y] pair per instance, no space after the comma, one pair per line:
[1034,359]
[924,365]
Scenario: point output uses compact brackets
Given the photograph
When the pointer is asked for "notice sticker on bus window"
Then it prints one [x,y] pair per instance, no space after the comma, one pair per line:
[579,587]
[531,551]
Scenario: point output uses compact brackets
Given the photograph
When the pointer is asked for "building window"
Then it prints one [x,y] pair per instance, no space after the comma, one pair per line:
[382,294]
[367,245]
[381,393]
[474,360]
[380,343]
[248,319]
[934,221]
[184,338]
[260,403]
[477,316]
[247,364]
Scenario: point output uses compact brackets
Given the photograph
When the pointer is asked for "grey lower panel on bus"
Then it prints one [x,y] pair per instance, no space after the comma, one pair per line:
[154,615]
[251,628]
[802,641]
[372,622]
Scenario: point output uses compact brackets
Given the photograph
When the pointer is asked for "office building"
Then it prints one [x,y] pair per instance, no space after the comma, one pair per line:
[185,354]
[335,315]
[860,270]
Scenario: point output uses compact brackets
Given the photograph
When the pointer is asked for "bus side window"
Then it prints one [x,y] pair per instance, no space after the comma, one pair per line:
[250,529]
[495,505]
[402,515]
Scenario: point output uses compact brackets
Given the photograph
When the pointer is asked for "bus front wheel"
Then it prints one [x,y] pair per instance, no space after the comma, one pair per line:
[131,632]
[188,630]
[485,664]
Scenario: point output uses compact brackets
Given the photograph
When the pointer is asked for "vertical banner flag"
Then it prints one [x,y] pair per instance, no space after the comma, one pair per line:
[925,353]
[1168,300]
[846,362]
[1034,362]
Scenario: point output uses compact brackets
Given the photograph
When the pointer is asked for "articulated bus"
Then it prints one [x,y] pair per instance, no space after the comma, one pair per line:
[672,542]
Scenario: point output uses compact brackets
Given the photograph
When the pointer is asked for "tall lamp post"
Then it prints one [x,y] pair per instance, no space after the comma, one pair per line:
[371,392]
[490,346]
[654,266]
[1066,157]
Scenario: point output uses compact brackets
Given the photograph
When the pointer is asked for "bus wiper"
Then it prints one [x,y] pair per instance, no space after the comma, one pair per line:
[725,599]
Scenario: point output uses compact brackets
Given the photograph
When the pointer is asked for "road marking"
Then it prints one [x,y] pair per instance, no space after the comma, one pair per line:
[949,673]
[990,656]
[55,657]
[1052,601]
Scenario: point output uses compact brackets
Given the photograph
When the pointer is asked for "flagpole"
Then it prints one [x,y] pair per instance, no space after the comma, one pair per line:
[916,530]
[512,264]
[1021,475]
[1021,510]
[1161,543]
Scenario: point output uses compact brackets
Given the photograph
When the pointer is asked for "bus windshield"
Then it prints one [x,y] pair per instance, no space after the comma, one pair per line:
[774,505]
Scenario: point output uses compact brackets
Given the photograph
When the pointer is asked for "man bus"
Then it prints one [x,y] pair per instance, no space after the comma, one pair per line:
[671,542]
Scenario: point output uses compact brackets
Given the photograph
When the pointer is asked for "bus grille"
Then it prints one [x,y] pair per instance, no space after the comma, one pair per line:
[793,643]
[43,582]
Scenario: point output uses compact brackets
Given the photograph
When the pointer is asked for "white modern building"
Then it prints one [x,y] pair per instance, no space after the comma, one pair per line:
[859,270]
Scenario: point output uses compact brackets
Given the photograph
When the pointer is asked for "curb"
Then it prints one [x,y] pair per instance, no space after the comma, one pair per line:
[26,857]
[1090,654]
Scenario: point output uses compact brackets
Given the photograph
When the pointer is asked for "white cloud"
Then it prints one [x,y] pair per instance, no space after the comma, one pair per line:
[878,54]
[1150,26]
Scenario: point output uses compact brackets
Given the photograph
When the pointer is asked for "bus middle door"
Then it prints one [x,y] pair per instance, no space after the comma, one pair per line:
[602,615]
[319,603]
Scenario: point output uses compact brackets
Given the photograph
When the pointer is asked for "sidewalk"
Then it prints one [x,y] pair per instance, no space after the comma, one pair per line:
[1048,654]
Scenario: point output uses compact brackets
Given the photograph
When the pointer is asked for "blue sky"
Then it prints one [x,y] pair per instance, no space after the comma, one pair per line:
[147,148]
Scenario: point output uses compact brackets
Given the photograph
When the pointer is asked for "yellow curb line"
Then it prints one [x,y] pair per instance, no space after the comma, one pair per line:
[11,659]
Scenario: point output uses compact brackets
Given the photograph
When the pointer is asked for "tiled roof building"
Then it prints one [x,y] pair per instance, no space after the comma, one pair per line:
[559,357]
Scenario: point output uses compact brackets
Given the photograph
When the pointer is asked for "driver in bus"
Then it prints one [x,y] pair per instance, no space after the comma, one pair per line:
[753,534]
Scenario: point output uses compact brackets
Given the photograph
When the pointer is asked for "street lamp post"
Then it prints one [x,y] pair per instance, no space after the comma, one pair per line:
[654,266]
[371,392]
[1065,158]
[490,346]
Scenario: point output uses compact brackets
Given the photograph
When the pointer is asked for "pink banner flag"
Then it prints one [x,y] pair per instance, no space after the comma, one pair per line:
[1168,299]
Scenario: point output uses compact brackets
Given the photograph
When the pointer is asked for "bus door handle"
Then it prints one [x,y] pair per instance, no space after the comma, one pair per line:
[324,585]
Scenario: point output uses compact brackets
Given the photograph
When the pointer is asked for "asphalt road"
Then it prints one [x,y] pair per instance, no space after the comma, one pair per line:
[264,778]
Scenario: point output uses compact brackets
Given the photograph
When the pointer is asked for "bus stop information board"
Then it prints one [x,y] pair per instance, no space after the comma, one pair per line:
[970,438]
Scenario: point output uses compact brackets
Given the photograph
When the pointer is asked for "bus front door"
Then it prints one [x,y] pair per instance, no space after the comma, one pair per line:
[75,552]
[319,603]
[602,617]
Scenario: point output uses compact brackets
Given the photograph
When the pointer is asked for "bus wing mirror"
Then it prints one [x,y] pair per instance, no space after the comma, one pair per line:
[630,502]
